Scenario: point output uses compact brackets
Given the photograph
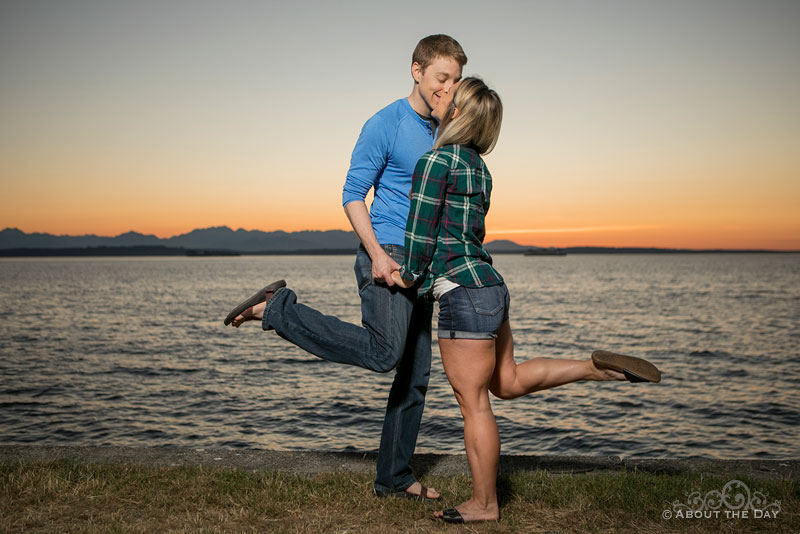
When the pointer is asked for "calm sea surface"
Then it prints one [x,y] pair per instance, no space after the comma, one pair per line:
[132,351]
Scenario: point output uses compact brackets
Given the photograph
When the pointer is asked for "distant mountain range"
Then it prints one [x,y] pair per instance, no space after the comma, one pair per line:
[218,238]
[504,246]
[221,239]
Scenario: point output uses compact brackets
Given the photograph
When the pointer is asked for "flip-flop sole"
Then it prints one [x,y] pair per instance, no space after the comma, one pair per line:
[635,369]
[260,296]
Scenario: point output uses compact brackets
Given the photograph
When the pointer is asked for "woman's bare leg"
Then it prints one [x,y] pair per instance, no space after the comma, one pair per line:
[469,365]
[511,380]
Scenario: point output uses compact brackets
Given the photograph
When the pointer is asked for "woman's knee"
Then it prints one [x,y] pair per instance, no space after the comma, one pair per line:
[502,393]
[473,401]
[506,389]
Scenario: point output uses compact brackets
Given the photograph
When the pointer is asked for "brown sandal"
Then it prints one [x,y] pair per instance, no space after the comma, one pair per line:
[403,494]
[258,298]
[635,369]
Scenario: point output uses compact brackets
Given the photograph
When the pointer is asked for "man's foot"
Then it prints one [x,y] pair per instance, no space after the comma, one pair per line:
[468,512]
[415,491]
[253,313]
[253,308]
[418,490]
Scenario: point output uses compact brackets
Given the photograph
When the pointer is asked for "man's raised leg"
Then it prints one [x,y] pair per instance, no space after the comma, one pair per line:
[376,345]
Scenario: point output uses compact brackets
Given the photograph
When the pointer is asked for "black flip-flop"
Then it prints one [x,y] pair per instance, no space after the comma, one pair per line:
[451,515]
[260,296]
[635,369]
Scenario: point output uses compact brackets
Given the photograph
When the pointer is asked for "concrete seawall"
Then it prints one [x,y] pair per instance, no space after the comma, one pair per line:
[309,462]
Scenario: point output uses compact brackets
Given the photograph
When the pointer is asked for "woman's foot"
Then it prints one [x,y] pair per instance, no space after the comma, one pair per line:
[632,368]
[471,511]
[595,373]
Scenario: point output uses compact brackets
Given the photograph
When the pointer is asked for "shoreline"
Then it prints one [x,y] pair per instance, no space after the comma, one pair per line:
[308,463]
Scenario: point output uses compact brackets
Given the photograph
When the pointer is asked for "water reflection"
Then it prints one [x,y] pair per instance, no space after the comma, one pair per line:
[132,352]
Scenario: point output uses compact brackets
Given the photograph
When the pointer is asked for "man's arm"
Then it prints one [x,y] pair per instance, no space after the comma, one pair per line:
[369,158]
[382,263]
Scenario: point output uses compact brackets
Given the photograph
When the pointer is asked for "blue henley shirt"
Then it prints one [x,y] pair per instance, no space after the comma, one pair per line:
[388,148]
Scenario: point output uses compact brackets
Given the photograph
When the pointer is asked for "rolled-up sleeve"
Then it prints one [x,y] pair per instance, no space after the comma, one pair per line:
[367,161]
[428,188]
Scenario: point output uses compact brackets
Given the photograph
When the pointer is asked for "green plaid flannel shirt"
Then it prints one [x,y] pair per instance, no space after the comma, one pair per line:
[450,194]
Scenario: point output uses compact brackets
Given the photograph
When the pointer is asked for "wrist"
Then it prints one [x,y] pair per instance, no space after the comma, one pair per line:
[374,250]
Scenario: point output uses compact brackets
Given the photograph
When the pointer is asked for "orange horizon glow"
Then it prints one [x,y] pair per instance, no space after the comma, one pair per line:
[597,212]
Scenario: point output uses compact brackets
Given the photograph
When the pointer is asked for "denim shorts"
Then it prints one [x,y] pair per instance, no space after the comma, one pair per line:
[473,313]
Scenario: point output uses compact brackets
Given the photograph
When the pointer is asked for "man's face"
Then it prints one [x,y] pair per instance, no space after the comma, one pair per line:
[436,79]
[443,102]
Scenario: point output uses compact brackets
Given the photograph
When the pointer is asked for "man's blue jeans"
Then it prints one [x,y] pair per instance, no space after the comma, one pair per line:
[396,334]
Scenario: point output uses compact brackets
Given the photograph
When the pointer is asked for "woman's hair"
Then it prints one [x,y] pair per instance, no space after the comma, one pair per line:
[480,113]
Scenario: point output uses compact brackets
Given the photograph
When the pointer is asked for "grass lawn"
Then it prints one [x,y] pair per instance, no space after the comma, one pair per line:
[78,497]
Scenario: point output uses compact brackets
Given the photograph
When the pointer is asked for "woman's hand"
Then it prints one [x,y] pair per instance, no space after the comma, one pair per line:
[400,281]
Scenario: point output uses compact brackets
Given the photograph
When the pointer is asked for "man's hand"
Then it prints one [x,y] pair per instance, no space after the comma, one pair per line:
[400,281]
[382,267]
[382,263]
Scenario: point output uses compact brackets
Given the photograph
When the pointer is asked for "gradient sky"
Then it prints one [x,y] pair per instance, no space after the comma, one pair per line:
[627,123]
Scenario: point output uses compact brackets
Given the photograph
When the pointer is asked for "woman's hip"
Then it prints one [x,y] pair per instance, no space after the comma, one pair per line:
[473,313]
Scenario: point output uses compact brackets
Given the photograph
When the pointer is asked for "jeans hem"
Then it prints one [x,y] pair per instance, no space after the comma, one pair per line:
[400,487]
[268,308]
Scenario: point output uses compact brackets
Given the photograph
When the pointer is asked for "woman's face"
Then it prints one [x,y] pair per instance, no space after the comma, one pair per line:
[445,98]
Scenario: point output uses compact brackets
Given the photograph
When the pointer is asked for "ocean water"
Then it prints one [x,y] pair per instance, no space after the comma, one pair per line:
[132,351]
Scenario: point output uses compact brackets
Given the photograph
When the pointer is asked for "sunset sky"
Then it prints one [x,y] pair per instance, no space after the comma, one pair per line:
[627,123]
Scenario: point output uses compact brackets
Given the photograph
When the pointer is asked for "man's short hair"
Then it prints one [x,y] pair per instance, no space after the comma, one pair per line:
[435,46]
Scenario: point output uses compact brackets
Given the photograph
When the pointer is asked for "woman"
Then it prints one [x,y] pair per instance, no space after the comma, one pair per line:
[445,255]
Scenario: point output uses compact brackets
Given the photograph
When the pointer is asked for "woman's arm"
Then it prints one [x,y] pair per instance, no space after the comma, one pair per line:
[400,281]
[428,188]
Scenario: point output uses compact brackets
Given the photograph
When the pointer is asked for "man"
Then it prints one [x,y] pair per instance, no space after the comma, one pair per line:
[396,331]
